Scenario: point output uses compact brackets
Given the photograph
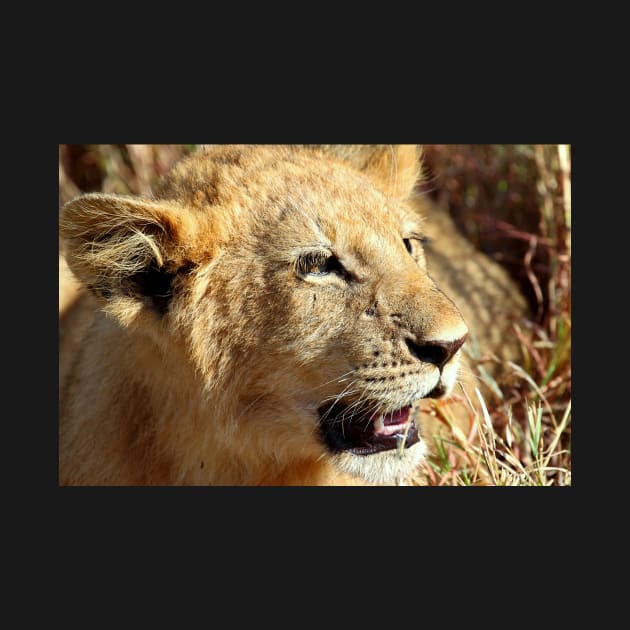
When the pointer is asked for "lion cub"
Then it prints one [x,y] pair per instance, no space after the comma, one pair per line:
[267,317]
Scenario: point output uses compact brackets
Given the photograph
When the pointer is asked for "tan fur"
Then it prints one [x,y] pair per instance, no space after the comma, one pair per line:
[221,384]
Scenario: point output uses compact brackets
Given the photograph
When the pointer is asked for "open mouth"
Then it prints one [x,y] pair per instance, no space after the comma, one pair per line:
[367,432]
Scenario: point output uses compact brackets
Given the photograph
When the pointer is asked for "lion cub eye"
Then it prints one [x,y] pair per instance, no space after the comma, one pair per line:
[409,242]
[320,264]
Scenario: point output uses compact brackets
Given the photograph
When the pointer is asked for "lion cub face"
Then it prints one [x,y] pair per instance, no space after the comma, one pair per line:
[296,292]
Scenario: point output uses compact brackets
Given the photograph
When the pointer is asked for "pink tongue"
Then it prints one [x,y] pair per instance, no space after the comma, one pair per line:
[393,423]
[398,417]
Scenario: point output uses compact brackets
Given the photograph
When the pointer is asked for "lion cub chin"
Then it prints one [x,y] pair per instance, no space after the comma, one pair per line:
[266,317]
[392,467]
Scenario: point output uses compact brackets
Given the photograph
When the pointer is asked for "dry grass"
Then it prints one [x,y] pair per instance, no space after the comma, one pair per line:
[514,202]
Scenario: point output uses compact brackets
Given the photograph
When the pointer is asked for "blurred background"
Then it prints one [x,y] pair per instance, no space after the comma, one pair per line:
[514,203]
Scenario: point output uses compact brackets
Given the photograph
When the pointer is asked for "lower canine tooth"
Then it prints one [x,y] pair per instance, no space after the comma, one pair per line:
[379,423]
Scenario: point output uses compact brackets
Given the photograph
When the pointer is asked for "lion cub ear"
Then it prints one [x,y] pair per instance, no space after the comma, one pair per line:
[395,168]
[120,246]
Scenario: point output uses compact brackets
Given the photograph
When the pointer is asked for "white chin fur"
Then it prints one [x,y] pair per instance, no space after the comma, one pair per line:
[384,468]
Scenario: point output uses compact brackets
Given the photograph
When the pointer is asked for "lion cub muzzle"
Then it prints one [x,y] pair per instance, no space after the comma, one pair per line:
[417,358]
[380,418]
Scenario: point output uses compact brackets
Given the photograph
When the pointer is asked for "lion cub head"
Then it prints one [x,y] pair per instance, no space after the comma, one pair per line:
[286,290]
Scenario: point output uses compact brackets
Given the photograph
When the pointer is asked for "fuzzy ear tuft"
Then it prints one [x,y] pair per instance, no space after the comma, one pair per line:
[125,246]
[395,168]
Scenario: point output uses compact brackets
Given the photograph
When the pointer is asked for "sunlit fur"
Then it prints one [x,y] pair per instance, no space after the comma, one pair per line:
[224,386]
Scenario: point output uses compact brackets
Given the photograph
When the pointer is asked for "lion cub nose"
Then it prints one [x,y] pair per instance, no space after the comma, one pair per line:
[436,352]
